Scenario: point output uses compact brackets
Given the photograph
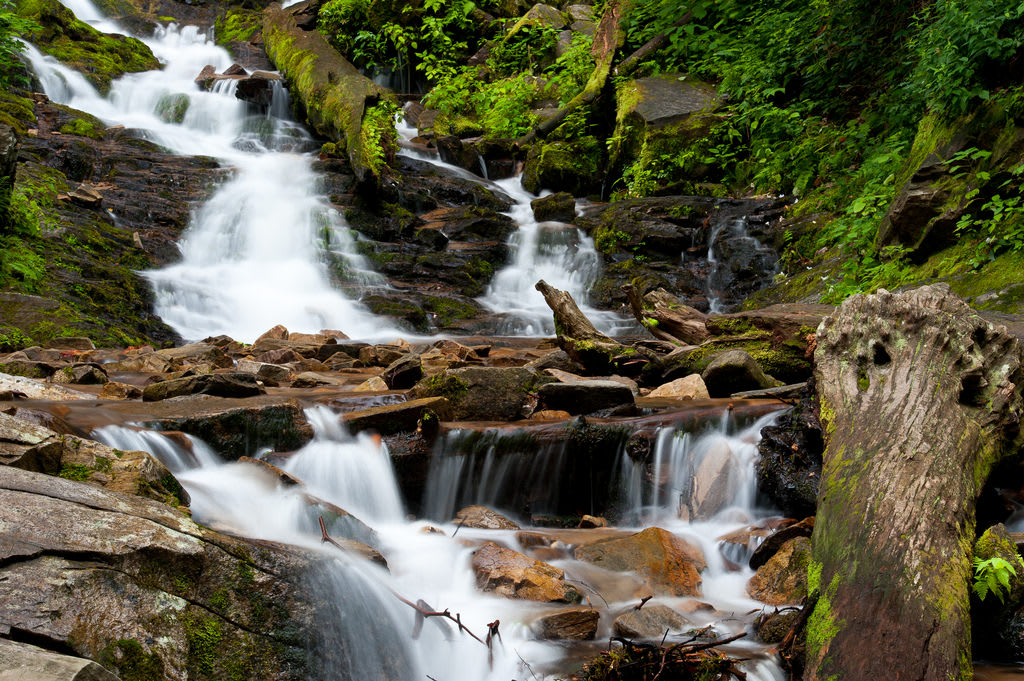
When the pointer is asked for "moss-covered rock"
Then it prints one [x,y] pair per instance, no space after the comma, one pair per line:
[570,166]
[100,57]
[238,25]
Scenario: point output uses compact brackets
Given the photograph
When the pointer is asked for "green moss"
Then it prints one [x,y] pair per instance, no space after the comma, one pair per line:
[443,385]
[75,471]
[84,128]
[17,111]
[449,310]
[204,636]
[220,600]
[130,660]
[237,25]
[103,465]
[171,108]
[100,57]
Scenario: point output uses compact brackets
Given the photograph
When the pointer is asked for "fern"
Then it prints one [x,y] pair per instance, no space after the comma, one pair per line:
[993,576]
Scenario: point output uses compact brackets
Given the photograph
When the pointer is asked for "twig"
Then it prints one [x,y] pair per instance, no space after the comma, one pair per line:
[324,537]
[462,521]
[715,644]
[527,665]
[642,602]
[426,612]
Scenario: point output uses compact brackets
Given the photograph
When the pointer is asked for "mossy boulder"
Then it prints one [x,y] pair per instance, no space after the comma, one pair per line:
[340,102]
[101,57]
[482,393]
[662,116]
[569,166]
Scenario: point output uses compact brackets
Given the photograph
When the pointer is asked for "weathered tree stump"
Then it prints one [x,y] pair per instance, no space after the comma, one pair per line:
[920,397]
[666,317]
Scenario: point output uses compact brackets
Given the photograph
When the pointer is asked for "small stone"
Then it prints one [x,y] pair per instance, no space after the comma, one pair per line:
[572,624]
[687,388]
[650,621]
[590,522]
[483,518]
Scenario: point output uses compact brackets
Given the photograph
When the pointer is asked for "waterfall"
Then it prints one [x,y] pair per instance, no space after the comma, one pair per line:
[556,252]
[256,253]
[733,256]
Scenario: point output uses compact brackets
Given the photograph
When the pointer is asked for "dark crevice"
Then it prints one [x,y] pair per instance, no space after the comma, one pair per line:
[38,640]
[880,356]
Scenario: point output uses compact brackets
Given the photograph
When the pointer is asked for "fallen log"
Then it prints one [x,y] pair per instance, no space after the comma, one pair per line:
[587,346]
[666,317]
[920,398]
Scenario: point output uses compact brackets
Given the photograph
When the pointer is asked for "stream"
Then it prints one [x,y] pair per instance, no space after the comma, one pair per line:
[355,473]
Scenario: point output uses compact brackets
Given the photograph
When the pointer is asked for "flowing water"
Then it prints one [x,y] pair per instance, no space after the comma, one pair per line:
[556,252]
[255,253]
[355,473]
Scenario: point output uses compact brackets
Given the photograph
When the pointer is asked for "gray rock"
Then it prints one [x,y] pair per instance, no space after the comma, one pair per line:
[22,662]
[559,207]
[584,397]
[403,373]
[650,621]
[481,393]
[223,385]
[574,624]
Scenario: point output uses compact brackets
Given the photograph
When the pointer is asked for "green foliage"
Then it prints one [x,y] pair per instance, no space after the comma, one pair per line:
[12,26]
[993,575]
[501,107]
[379,140]
[962,48]
[75,471]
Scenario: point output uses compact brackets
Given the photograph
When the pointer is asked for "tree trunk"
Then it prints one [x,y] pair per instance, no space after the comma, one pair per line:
[920,397]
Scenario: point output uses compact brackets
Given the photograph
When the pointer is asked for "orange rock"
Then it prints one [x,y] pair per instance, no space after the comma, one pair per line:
[668,562]
[783,579]
[510,574]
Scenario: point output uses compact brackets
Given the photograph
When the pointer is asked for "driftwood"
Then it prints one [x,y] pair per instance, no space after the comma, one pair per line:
[607,40]
[920,398]
[666,317]
[596,352]
[649,662]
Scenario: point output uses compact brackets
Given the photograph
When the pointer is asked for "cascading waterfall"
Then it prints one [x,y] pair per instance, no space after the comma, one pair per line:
[254,255]
[745,254]
[556,252]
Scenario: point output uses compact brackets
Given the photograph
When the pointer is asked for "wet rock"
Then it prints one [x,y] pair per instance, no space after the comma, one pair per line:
[556,359]
[240,431]
[573,624]
[733,371]
[27,368]
[510,574]
[783,579]
[269,374]
[687,388]
[550,415]
[558,207]
[481,393]
[198,353]
[42,418]
[80,374]
[403,373]
[374,384]
[279,332]
[591,522]
[223,385]
[286,479]
[789,462]
[776,540]
[380,355]
[148,362]
[573,167]
[671,564]
[399,417]
[650,621]
[142,573]
[584,397]
[37,390]
[257,88]
[483,518]
[23,661]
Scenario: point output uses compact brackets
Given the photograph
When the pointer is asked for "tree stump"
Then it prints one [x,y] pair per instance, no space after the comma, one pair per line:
[920,397]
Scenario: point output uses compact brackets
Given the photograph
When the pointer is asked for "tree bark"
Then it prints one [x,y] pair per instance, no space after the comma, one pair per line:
[587,346]
[666,317]
[920,397]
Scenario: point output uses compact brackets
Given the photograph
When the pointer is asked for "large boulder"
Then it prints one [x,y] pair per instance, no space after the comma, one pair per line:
[734,371]
[240,430]
[510,574]
[483,518]
[137,585]
[671,564]
[482,393]
[789,458]
[33,389]
[399,417]
[559,207]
